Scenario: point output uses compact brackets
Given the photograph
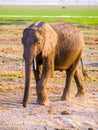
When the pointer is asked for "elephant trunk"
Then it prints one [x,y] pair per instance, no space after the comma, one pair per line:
[28,68]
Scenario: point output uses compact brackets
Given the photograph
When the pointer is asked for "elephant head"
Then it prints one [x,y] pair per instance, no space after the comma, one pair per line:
[37,38]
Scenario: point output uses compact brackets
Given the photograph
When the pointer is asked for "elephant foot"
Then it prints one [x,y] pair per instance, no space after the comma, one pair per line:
[42,99]
[43,102]
[80,94]
[65,97]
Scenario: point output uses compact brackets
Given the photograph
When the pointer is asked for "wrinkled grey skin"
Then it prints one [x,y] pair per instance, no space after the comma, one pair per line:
[54,46]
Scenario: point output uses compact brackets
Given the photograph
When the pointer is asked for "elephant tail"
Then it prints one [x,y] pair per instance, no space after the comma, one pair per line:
[83,70]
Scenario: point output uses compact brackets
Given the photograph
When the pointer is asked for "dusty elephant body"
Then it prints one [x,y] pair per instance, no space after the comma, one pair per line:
[56,46]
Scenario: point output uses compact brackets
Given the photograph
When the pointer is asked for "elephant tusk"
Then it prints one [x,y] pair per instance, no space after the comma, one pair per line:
[35,63]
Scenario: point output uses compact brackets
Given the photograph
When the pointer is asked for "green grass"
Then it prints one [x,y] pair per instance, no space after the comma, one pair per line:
[22,12]
[6,75]
[50,11]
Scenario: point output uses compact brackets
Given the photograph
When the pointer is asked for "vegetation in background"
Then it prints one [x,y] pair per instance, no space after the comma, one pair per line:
[25,14]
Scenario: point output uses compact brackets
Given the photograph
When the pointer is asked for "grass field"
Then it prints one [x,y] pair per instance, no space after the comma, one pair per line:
[40,14]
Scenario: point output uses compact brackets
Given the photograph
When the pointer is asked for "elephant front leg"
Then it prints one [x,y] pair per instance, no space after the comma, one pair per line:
[42,83]
[41,92]
[37,73]
[40,86]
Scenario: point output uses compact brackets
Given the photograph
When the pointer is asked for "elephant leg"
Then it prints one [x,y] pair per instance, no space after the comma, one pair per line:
[69,75]
[40,86]
[67,89]
[42,83]
[37,73]
[81,90]
[41,92]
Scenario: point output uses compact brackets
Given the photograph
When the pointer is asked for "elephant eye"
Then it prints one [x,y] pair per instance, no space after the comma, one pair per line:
[38,46]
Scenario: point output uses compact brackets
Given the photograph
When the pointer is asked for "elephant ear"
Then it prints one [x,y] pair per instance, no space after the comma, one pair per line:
[50,40]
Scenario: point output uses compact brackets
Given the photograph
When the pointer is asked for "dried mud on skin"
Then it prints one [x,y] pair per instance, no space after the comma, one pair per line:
[77,114]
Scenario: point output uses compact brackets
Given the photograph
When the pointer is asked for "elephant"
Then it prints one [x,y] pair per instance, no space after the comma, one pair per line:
[52,46]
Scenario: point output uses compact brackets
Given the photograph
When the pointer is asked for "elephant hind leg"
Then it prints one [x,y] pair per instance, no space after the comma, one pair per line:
[81,90]
[69,75]
[67,89]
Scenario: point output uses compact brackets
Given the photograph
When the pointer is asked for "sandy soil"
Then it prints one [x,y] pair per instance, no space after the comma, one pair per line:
[77,114]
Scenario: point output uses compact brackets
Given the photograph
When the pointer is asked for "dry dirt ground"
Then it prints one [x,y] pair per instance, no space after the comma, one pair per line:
[77,114]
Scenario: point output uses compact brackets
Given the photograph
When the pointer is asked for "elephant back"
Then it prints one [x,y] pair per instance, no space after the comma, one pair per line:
[69,35]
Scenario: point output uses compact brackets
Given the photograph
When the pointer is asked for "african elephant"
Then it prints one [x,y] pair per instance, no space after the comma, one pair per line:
[55,46]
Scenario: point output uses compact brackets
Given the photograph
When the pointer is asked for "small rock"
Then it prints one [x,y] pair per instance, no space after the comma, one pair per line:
[65,113]
[49,111]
